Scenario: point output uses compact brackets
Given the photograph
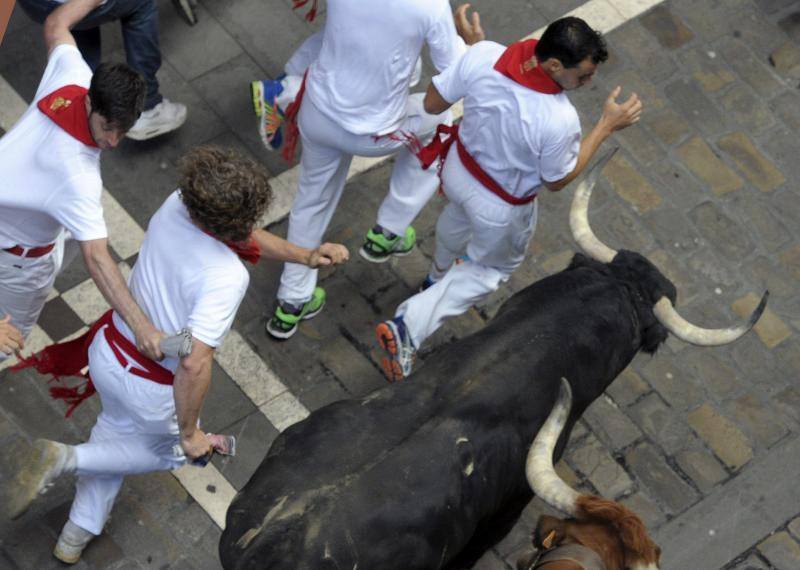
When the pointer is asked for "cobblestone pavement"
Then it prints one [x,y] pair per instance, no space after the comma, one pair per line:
[703,443]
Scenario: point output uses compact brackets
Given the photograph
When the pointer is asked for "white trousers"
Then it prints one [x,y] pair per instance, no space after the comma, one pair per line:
[26,282]
[494,235]
[327,152]
[135,433]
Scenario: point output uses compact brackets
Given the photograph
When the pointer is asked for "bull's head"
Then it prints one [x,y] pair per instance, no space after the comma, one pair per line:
[663,309]
[616,534]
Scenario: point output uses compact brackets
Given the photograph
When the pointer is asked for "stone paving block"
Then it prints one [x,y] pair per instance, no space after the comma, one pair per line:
[710,72]
[755,365]
[506,25]
[787,107]
[662,424]
[640,144]
[722,231]
[794,527]
[788,354]
[752,562]
[770,231]
[664,484]
[672,269]
[646,55]
[689,100]
[225,402]
[702,467]
[24,57]
[770,328]
[714,372]
[704,163]
[630,185]
[791,24]
[351,367]
[646,508]
[786,60]
[610,425]
[669,29]
[668,126]
[619,229]
[763,425]
[557,262]
[679,390]
[791,260]
[747,109]
[713,274]
[58,319]
[749,68]
[627,388]
[722,436]
[158,493]
[781,550]
[761,173]
[195,50]
[772,6]
[607,476]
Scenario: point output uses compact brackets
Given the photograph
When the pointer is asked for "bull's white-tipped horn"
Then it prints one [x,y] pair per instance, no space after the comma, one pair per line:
[579,214]
[539,470]
[686,331]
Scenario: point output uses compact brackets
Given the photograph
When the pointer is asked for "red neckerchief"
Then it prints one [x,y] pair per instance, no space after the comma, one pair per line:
[66,107]
[247,250]
[511,64]
[311,13]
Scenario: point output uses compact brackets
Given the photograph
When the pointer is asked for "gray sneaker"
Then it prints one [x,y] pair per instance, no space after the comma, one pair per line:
[163,118]
[37,469]
[71,542]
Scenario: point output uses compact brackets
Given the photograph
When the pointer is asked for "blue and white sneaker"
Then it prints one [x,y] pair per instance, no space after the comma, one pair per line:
[394,339]
[270,115]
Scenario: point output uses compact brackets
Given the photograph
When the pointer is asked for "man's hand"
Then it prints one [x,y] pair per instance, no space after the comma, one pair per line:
[196,445]
[148,341]
[11,339]
[617,116]
[470,30]
[328,254]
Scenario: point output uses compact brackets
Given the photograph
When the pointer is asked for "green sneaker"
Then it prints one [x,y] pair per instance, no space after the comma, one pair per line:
[283,323]
[378,248]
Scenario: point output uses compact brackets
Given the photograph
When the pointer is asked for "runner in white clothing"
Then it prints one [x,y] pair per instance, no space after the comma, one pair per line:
[51,186]
[355,101]
[189,274]
[519,133]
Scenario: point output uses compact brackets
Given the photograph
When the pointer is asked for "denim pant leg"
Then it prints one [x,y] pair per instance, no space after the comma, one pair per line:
[139,19]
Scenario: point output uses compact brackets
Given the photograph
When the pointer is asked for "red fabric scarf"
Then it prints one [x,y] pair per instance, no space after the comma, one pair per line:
[311,13]
[512,65]
[66,107]
[247,250]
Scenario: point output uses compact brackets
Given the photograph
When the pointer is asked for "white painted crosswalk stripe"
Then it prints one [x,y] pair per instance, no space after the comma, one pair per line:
[240,362]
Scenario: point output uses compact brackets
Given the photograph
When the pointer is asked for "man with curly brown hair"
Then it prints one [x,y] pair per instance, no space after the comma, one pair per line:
[189,274]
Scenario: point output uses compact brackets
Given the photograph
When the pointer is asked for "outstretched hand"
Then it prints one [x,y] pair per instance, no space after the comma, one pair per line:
[328,254]
[470,30]
[11,340]
[618,116]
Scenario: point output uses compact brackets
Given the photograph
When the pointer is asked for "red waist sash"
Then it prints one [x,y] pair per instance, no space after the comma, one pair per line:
[20,251]
[70,358]
[439,147]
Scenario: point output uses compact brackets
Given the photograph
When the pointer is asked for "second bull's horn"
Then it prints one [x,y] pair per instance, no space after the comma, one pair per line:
[539,470]
[663,309]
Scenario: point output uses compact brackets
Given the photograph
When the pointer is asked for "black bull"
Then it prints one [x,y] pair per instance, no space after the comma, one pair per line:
[403,477]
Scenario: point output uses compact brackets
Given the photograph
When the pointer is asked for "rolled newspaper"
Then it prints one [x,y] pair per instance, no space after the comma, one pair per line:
[222,444]
[177,345]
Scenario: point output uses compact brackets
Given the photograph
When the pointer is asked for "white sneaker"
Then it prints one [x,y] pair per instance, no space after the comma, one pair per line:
[163,118]
[71,542]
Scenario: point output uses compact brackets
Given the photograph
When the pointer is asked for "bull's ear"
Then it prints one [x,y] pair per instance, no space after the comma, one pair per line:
[550,531]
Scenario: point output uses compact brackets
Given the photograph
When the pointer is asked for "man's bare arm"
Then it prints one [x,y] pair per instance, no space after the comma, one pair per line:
[434,103]
[109,280]
[615,117]
[274,247]
[58,24]
[192,379]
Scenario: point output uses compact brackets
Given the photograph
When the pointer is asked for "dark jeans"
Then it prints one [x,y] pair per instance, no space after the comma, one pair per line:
[139,20]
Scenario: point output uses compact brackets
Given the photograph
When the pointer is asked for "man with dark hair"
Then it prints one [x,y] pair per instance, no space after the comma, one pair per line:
[51,185]
[149,408]
[519,133]
[139,21]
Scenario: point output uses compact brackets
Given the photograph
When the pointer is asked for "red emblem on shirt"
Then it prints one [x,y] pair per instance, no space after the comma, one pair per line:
[66,108]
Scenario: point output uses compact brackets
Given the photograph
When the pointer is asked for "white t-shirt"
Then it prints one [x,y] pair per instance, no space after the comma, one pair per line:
[517,135]
[183,277]
[369,51]
[50,179]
